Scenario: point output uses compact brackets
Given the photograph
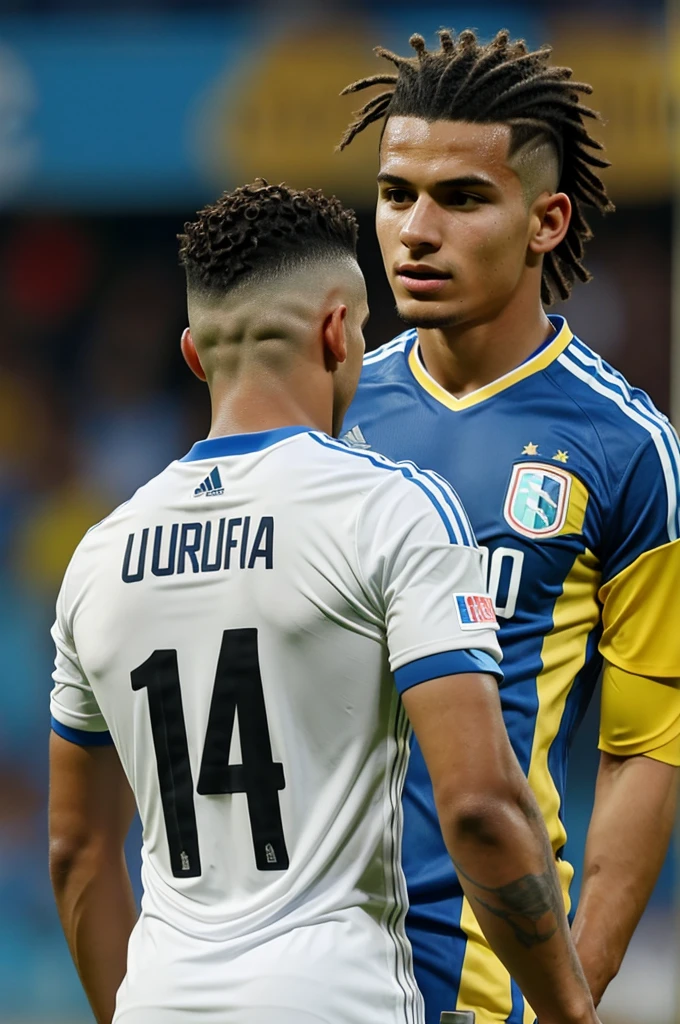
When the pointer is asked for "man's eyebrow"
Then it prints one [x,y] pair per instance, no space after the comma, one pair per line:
[464,181]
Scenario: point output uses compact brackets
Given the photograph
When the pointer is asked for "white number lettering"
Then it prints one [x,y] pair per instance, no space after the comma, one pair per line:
[493,569]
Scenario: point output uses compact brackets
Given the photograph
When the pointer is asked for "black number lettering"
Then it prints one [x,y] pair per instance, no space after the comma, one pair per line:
[238,687]
[159,676]
[238,684]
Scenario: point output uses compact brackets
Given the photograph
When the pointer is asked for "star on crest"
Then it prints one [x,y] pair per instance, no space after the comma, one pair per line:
[561,456]
[530,449]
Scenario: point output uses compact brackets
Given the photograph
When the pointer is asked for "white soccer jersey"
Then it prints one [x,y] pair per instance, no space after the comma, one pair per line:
[237,629]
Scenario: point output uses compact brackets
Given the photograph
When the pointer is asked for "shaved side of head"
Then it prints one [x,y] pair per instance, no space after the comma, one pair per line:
[263,321]
[537,165]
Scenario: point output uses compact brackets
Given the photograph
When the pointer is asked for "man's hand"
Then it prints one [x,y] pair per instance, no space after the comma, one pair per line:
[628,836]
[91,808]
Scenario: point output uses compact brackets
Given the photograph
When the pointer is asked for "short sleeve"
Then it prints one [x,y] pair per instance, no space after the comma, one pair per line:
[75,713]
[423,571]
[640,716]
[641,567]
[640,599]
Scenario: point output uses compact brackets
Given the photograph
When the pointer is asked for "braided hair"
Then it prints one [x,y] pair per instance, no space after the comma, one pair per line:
[263,228]
[502,82]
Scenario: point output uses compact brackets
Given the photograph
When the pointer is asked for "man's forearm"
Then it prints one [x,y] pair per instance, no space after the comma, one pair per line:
[507,869]
[628,837]
[97,910]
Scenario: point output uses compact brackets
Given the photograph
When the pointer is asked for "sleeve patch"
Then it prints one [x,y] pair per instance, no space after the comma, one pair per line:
[475,611]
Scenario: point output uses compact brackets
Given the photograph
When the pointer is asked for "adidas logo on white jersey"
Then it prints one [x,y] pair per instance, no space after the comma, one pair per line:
[355,438]
[211,486]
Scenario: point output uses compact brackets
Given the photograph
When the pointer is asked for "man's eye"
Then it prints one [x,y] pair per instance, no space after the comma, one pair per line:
[463,199]
[398,196]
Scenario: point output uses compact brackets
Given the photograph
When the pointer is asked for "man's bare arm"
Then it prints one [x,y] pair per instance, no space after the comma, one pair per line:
[628,836]
[91,808]
[497,840]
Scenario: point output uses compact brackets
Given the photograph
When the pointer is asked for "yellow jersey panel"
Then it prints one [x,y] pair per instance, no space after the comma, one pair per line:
[640,716]
[641,614]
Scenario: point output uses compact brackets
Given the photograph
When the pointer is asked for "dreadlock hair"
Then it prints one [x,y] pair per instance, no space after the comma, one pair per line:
[262,228]
[502,82]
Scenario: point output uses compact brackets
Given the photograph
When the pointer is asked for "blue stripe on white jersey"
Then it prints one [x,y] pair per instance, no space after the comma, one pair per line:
[450,497]
[451,511]
[590,369]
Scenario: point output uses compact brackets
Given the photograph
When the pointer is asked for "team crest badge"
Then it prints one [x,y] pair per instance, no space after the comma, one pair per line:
[537,500]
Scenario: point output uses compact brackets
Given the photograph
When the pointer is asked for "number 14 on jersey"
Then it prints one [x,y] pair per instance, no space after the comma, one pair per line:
[238,684]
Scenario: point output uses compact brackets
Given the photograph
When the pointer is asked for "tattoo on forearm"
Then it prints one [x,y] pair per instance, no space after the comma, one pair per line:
[524,904]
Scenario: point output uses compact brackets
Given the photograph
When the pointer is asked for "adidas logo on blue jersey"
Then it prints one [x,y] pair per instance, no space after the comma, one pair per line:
[211,486]
[355,438]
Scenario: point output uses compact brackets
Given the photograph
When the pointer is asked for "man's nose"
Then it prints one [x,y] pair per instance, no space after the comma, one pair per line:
[420,228]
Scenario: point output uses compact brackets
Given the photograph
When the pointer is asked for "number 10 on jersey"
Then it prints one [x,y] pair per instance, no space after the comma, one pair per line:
[238,684]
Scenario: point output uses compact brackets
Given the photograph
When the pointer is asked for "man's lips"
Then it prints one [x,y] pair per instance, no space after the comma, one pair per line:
[420,279]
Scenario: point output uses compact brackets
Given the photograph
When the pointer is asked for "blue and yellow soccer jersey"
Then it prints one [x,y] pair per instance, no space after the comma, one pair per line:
[571,480]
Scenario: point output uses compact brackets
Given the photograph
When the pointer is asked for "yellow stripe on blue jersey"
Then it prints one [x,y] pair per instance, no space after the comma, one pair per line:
[485,984]
[484,981]
[576,614]
[571,481]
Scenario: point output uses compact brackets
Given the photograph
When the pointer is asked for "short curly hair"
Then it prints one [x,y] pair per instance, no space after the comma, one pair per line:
[263,228]
[502,81]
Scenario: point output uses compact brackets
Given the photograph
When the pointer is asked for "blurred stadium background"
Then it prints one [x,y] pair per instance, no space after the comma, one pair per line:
[116,122]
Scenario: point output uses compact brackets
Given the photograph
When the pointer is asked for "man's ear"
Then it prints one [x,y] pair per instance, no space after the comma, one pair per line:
[334,339]
[190,354]
[550,222]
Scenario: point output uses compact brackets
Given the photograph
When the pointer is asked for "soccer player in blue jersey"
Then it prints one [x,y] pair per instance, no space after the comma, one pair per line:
[569,475]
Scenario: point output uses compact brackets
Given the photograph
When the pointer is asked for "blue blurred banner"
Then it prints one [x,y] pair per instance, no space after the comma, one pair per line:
[121,113]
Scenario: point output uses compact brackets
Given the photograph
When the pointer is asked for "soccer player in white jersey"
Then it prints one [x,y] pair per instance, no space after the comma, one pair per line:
[236,648]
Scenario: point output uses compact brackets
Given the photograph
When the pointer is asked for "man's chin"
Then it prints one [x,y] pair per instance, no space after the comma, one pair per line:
[419,315]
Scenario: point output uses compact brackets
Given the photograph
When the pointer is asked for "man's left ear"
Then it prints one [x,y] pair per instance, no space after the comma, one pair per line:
[551,216]
[334,338]
[190,354]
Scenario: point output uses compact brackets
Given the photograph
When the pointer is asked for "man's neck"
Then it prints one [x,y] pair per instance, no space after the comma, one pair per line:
[465,358]
[248,409]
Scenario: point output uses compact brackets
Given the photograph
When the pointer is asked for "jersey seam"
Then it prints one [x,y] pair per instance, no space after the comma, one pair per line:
[642,446]
[66,607]
[588,417]
[645,441]
[455,523]
[111,514]
[635,457]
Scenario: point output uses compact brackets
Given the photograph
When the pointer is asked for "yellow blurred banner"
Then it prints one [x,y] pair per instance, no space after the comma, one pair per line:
[633,70]
[280,116]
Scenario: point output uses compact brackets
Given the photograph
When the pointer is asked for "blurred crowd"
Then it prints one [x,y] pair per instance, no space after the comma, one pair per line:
[94,400]
[92,403]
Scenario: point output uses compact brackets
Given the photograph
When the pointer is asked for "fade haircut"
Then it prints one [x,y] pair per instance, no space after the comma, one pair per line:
[502,82]
[263,229]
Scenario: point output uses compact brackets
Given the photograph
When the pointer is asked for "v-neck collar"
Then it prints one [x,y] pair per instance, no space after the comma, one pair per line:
[545,355]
